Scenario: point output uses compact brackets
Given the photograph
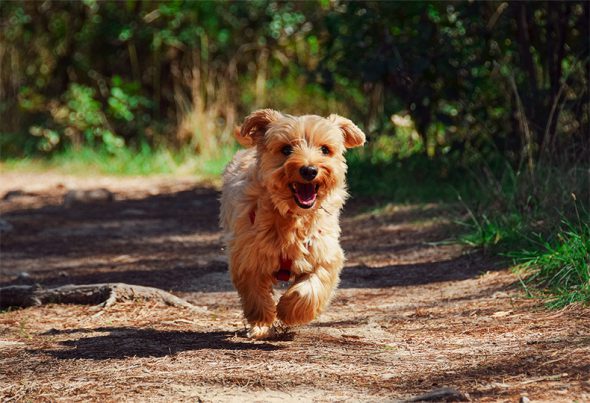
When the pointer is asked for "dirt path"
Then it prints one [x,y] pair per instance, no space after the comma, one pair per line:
[411,314]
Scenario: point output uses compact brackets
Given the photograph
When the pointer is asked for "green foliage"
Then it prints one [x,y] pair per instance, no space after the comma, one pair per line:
[473,71]
[496,232]
[372,172]
[559,267]
[125,99]
[79,119]
[146,67]
[467,75]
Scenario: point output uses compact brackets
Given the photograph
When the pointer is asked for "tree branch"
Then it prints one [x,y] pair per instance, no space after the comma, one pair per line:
[103,294]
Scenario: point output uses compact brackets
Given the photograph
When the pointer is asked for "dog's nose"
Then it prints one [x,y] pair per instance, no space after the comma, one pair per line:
[308,172]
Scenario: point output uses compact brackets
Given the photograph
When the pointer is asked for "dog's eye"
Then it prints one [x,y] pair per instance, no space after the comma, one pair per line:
[287,150]
[325,150]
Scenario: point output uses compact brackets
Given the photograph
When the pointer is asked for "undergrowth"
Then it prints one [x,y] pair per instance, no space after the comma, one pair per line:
[414,179]
[558,269]
[539,221]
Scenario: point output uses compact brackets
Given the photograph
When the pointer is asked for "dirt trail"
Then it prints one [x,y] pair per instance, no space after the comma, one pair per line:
[412,314]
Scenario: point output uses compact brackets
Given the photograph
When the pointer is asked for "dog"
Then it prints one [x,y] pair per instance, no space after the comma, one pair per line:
[280,207]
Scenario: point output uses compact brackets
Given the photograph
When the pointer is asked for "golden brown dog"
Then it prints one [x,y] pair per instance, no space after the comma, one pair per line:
[280,207]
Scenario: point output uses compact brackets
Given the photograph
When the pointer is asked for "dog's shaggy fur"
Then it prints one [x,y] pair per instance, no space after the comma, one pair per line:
[281,203]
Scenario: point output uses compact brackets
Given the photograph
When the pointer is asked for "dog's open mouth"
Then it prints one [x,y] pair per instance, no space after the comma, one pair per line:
[305,194]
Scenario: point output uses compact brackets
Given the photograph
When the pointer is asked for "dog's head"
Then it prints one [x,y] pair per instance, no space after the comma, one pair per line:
[300,158]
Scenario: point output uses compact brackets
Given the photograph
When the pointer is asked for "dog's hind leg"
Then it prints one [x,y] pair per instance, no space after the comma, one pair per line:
[308,296]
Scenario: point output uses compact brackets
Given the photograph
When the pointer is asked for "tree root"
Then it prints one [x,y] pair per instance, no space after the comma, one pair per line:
[103,295]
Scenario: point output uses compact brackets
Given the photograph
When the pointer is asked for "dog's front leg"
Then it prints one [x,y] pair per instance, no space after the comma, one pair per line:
[308,296]
[258,302]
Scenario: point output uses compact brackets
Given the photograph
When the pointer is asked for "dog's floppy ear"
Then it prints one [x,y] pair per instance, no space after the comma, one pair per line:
[353,136]
[255,125]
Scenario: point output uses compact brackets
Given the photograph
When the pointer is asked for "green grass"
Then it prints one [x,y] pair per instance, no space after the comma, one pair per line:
[558,269]
[491,230]
[553,265]
[492,233]
[143,160]
[537,221]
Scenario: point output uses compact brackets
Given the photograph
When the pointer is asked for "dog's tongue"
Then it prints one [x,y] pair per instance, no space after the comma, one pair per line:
[305,192]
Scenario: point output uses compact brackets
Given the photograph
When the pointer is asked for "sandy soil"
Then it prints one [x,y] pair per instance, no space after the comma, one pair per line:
[413,313]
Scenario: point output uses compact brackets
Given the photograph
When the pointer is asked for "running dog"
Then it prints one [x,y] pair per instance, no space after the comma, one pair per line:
[280,208]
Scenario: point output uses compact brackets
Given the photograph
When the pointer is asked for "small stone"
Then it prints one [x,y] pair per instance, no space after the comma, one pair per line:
[524,399]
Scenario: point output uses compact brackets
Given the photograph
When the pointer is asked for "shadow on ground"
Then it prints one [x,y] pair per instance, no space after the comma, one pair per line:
[401,275]
[172,241]
[518,369]
[124,342]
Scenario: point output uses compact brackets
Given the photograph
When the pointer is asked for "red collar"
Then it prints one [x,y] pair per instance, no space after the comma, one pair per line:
[284,272]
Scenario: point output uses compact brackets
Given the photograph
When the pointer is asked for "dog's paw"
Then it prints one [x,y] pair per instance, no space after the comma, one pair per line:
[261,332]
[293,309]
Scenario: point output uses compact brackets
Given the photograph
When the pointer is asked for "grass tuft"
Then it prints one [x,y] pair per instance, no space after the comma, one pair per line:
[558,268]
[495,232]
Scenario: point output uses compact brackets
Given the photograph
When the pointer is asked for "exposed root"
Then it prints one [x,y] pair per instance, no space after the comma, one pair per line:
[104,295]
